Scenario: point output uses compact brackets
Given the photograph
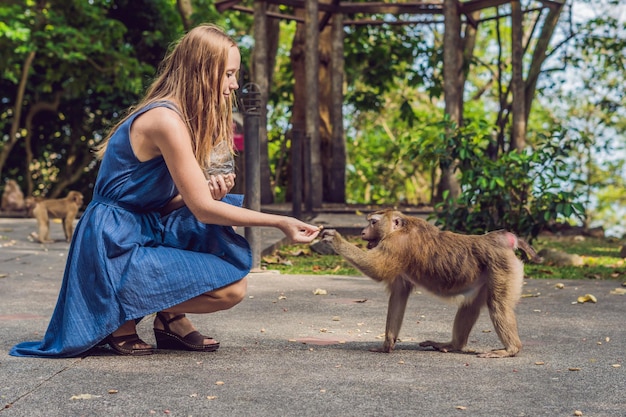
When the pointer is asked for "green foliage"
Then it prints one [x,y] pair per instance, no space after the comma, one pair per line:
[381,168]
[95,58]
[520,191]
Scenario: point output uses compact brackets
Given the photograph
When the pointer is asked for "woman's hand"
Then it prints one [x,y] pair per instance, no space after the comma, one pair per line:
[174,204]
[220,185]
[298,231]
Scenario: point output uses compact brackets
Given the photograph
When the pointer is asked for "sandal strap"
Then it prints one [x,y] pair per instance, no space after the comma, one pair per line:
[166,322]
[126,340]
[193,338]
[196,338]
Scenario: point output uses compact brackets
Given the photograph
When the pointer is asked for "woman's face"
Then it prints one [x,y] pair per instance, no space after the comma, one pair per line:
[229,84]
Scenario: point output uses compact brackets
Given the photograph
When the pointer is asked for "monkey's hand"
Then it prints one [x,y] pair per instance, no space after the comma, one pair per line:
[328,233]
[330,236]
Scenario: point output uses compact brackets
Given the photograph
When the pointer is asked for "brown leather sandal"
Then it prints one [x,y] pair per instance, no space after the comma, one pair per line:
[123,345]
[167,339]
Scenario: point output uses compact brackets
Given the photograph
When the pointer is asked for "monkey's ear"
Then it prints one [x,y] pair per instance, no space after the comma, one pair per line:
[398,222]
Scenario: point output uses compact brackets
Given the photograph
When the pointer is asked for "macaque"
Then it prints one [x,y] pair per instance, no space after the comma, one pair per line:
[57,208]
[12,197]
[474,270]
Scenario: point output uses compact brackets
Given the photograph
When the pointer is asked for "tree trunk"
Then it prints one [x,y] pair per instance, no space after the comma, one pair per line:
[312,103]
[518,125]
[539,54]
[452,87]
[35,109]
[336,174]
[185,9]
[260,71]
[17,110]
[299,95]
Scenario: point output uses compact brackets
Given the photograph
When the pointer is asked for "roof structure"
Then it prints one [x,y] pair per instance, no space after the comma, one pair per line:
[424,8]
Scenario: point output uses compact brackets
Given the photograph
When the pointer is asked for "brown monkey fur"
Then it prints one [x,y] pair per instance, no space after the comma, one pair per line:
[65,209]
[474,270]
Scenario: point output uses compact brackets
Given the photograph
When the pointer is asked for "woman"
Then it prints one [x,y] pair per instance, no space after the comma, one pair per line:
[158,235]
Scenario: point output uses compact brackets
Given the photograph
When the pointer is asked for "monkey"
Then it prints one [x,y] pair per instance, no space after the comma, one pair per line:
[57,208]
[12,197]
[407,252]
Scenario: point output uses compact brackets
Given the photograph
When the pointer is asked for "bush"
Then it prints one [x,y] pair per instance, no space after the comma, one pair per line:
[521,191]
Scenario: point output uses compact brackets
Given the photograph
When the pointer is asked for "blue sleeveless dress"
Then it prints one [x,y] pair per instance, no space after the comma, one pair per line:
[126,261]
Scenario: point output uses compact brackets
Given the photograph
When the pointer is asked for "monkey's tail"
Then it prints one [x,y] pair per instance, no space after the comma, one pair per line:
[528,253]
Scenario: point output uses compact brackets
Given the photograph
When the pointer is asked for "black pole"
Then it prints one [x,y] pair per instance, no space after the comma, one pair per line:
[250,103]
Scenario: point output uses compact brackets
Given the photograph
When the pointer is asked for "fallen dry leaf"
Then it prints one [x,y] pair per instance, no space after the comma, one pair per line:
[573,369]
[540,363]
[84,397]
[461,407]
[319,291]
[211,397]
[616,365]
[112,391]
[616,291]
[531,295]
[578,413]
[587,297]
[559,286]
[219,383]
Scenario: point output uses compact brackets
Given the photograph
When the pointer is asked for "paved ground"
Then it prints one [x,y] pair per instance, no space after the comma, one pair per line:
[288,352]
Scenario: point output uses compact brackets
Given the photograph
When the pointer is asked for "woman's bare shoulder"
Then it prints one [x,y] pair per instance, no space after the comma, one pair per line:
[159,118]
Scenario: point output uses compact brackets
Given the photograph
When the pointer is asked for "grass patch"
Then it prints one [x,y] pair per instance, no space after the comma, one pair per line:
[600,257]
[601,260]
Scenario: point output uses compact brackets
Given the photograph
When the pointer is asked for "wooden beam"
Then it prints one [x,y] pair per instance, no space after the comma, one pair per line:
[273,15]
[226,4]
[475,5]
[410,7]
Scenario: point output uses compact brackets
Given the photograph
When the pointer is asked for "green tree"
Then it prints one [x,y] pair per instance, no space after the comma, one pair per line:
[71,70]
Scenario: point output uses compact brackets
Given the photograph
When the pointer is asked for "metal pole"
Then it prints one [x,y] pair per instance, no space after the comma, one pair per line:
[250,103]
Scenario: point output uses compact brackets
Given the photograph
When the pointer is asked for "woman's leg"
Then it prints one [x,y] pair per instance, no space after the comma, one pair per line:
[210,302]
[126,329]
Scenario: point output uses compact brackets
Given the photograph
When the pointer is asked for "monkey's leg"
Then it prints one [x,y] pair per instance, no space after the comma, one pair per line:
[44,227]
[504,321]
[398,297]
[65,224]
[464,321]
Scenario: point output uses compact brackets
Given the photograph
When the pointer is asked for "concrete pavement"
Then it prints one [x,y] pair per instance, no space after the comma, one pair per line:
[286,351]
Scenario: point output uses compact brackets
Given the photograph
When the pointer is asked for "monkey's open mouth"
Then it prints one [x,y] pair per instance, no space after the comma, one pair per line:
[371,244]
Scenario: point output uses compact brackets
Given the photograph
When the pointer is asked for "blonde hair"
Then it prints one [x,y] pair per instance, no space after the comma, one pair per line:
[192,73]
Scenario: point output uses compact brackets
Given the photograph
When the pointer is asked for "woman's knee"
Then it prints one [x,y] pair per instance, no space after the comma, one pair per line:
[234,293]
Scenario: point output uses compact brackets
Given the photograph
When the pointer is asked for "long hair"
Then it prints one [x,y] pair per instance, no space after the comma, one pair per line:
[192,73]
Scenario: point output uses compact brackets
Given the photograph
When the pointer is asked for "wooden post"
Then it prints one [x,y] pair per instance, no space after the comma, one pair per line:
[314,177]
[338,164]
[518,123]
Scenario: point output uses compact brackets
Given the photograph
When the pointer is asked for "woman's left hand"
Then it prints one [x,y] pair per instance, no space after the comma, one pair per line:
[220,185]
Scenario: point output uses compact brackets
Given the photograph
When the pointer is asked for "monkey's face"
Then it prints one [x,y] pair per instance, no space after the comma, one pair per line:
[372,233]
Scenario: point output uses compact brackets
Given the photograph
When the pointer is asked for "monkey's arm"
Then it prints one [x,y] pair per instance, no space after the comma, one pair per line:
[371,262]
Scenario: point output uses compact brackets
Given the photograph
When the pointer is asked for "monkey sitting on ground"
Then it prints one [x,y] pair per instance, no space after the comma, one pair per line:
[65,209]
[474,270]
[12,197]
